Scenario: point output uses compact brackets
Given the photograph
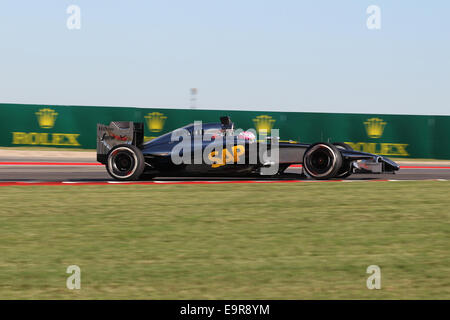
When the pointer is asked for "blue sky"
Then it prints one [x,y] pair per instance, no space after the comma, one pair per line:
[286,55]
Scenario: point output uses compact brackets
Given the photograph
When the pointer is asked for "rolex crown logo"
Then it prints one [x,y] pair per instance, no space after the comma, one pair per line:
[374,127]
[155,121]
[264,123]
[46,118]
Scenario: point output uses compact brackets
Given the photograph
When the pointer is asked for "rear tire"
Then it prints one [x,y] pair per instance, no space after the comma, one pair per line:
[322,161]
[125,162]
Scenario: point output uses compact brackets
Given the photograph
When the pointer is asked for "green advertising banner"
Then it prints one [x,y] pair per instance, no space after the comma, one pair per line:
[410,136]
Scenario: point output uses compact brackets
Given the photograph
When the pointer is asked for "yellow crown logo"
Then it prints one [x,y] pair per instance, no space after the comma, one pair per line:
[155,121]
[46,118]
[264,123]
[375,127]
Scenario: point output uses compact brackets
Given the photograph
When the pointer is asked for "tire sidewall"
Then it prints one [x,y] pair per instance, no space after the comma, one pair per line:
[342,145]
[346,168]
[139,162]
[336,161]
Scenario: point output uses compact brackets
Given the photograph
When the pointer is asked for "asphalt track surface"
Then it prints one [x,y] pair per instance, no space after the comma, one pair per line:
[80,171]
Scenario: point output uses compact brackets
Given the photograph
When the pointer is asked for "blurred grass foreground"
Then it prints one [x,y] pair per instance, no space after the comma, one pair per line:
[228,241]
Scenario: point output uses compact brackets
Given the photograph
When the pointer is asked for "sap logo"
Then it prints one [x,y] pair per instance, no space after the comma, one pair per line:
[220,158]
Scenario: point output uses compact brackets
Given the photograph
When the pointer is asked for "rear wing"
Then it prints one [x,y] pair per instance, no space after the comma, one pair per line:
[117,132]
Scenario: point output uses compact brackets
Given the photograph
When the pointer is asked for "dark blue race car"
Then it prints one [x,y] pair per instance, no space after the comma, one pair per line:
[217,149]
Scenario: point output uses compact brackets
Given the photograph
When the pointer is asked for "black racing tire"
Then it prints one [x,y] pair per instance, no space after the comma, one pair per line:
[125,162]
[322,161]
[346,168]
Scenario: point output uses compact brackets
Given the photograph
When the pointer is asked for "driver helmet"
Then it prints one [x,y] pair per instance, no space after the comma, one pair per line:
[247,135]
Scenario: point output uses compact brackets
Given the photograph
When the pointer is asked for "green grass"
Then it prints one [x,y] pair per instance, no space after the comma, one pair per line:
[229,241]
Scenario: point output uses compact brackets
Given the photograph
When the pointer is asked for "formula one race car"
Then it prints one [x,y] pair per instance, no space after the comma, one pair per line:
[217,149]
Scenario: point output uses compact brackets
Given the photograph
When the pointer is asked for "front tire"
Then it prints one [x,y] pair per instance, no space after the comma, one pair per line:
[343,146]
[125,162]
[346,168]
[322,161]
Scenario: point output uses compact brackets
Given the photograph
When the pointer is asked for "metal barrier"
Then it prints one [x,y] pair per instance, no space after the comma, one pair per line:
[411,136]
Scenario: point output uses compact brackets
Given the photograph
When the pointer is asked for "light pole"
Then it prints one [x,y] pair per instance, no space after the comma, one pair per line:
[194,98]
